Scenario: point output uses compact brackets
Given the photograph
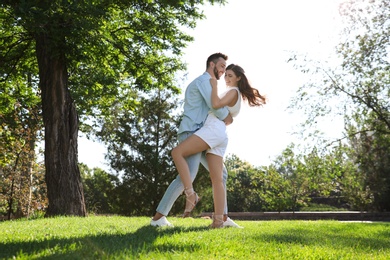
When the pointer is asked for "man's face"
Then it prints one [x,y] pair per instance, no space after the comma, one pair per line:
[219,68]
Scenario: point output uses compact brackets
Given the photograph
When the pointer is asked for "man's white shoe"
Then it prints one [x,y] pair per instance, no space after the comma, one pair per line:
[230,223]
[162,222]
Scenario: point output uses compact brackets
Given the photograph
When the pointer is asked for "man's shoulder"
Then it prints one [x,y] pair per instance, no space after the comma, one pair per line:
[202,78]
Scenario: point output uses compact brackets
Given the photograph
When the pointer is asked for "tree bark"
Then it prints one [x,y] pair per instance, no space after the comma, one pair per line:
[10,200]
[63,180]
[29,172]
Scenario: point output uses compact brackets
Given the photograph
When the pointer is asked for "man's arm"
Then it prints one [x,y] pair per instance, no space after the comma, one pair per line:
[222,113]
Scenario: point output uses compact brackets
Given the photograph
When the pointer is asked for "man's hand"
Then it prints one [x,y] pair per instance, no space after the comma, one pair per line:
[228,120]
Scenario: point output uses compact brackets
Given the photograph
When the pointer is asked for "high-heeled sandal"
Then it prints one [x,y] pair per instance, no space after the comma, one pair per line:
[189,204]
[217,221]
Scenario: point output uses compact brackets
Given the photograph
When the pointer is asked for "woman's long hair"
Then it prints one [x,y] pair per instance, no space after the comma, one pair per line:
[247,92]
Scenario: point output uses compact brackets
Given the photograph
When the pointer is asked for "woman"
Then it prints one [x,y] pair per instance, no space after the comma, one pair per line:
[212,138]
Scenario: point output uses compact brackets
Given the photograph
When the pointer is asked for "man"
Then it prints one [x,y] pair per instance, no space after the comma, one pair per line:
[197,104]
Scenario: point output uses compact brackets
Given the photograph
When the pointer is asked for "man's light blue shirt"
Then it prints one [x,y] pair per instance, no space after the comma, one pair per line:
[197,104]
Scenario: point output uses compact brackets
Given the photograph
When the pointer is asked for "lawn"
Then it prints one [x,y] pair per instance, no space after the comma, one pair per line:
[116,237]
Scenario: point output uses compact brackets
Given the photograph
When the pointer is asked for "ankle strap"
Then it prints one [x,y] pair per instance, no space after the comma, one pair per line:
[218,217]
[189,191]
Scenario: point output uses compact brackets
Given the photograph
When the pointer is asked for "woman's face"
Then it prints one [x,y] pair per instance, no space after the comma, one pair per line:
[231,79]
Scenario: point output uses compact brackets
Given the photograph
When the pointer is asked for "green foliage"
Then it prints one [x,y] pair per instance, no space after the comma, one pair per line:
[139,144]
[370,153]
[354,84]
[37,214]
[109,47]
[245,186]
[21,188]
[117,237]
[364,55]
[20,122]
[99,190]
[92,53]
[294,181]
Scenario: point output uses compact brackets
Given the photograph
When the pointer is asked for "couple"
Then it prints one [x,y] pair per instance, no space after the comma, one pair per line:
[203,138]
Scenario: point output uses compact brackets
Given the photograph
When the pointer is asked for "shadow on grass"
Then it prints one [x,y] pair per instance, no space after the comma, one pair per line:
[98,246]
[333,237]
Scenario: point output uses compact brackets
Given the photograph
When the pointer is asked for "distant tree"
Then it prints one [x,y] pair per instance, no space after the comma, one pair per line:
[245,186]
[99,190]
[324,171]
[355,84]
[276,191]
[89,54]
[139,144]
[294,179]
[19,132]
[369,151]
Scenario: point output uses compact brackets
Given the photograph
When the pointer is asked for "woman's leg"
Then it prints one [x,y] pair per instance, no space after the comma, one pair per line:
[205,164]
[192,145]
[215,163]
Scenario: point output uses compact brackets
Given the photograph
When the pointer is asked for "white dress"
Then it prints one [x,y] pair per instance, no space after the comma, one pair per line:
[213,131]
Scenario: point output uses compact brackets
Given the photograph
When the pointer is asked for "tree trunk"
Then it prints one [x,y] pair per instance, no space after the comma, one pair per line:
[29,172]
[63,180]
[10,200]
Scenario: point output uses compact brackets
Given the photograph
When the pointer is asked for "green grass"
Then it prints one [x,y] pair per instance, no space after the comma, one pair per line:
[101,237]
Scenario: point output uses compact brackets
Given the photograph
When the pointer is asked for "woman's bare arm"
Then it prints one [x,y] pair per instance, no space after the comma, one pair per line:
[228,100]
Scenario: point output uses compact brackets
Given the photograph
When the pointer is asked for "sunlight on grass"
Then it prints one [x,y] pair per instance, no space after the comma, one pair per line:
[116,237]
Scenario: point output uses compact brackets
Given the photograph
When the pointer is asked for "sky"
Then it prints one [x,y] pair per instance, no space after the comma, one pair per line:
[259,36]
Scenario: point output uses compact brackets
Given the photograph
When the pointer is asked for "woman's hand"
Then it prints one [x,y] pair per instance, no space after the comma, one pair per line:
[213,82]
